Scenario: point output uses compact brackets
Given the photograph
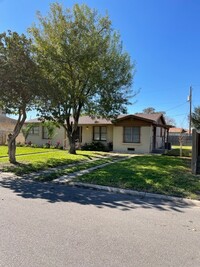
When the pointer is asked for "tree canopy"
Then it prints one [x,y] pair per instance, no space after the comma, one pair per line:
[19,79]
[195,118]
[83,58]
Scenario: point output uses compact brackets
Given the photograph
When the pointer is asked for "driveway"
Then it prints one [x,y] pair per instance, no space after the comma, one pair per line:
[57,226]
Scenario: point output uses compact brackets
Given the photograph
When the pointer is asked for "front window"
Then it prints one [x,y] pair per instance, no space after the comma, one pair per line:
[131,134]
[99,133]
[45,134]
[34,130]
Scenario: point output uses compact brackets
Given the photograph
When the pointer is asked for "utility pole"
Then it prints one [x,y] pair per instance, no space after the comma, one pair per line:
[190,115]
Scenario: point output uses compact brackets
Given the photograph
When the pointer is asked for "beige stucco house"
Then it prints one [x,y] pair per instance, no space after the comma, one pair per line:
[138,133]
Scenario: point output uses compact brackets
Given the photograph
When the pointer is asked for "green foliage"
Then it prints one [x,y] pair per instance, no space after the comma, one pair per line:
[195,118]
[176,152]
[83,58]
[97,146]
[19,81]
[18,73]
[94,146]
[51,128]
[26,129]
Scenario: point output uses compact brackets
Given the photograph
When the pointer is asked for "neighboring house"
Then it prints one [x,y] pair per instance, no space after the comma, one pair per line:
[6,126]
[141,133]
[177,134]
[176,131]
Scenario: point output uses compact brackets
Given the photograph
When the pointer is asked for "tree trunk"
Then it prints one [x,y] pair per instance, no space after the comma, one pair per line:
[12,149]
[12,137]
[72,145]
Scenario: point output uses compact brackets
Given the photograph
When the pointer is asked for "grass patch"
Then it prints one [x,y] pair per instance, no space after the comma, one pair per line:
[186,151]
[22,151]
[154,174]
[71,169]
[35,159]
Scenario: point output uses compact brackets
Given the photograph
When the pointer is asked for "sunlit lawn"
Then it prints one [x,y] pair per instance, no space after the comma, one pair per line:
[186,151]
[167,175]
[23,150]
[34,159]
[155,174]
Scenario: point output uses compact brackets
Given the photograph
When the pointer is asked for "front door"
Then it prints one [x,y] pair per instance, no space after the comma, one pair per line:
[154,137]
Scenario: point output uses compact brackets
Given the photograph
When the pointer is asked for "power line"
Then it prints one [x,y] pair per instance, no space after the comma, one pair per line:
[176,106]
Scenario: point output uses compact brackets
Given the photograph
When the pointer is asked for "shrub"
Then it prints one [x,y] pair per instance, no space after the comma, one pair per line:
[94,146]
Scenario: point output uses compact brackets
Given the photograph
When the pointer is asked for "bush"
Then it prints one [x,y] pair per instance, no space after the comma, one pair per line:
[96,146]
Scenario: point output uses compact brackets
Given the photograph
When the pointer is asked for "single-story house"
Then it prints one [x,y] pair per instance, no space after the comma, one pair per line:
[177,131]
[140,133]
[7,126]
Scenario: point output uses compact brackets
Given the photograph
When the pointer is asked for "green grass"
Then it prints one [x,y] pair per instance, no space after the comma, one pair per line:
[22,151]
[167,175]
[154,174]
[35,159]
[71,169]
[186,151]
[185,147]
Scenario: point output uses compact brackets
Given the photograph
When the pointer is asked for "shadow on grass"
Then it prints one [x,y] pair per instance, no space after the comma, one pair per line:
[29,189]
[24,168]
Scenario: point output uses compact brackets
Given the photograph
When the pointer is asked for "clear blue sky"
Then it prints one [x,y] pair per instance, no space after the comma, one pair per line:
[162,37]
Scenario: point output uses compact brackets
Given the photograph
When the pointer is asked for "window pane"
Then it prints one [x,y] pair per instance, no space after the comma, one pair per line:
[100,133]
[103,130]
[34,130]
[127,135]
[103,136]
[45,132]
[131,134]
[96,137]
[136,134]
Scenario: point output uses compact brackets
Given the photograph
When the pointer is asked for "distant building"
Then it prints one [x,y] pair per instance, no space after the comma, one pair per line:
[7,126]
[176,131]
[174,135]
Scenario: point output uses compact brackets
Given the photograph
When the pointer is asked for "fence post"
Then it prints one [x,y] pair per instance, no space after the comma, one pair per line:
[194,152]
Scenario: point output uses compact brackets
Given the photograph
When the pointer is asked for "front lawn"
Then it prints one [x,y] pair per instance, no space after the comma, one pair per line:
[22,151]
[34,159]
[155,174]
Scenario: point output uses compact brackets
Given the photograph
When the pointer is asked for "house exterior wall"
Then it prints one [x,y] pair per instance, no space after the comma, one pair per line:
[39,140]
[142,147]
[87,134]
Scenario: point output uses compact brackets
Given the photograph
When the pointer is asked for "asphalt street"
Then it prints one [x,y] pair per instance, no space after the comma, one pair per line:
[51,225]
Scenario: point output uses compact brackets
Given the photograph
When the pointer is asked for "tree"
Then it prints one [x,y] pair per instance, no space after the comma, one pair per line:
[86,66]
[26,130]
[149,110]
[195,118]
[18,82]
[51,128]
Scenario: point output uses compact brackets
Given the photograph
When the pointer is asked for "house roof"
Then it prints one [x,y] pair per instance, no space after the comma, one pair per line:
[154,116]
[4,119]
[87,120]
[177,130]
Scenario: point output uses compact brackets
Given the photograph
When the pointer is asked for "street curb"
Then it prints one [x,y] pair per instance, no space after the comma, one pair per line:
[134,193]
